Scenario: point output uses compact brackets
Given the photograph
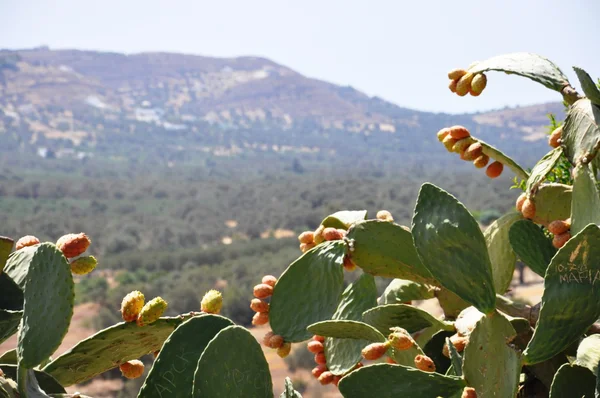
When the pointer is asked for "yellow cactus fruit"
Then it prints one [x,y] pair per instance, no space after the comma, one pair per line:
[131,305]
[554,139]
[25,241]
[384,215]
[132,369]
[212,302]
[83,265]
[462,145]
[449,142]
[452,85]
[494,170]
[318,235]
[528,209]
[284,350]
[481,161]
[443,133]
[151,311]
[478,84]
[306,237]
[424,363]
[456,74]
[464,84]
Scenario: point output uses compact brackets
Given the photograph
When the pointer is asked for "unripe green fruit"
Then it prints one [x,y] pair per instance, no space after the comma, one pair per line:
[315,347]
[284,350]
[83,265]
[212,302]
[258,305]
[73,245]
[131,305]
[132,369]
[151,311]
[424,363]
[262,291]
[478,84]
[25,241]
[375,350]
[464,84]
[306,237]
[455,74]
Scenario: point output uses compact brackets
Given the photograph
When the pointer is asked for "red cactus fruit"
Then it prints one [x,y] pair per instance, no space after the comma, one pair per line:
[520,201]
[559,226]
[318,370]
[315,347]
[528,208]
[332,234]
[320,358]
[28,240]
[132,369]
[73,245]
[494,170]
[424,363]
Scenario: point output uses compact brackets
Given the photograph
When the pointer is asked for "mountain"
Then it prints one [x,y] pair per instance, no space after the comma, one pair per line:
[175,106]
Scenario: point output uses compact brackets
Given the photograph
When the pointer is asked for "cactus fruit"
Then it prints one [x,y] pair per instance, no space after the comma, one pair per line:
[212,302]
[83,265]
[318,338]
[464,84]
[73,245]
[375,350]
[258,305]
[275,341]
[559,240]
[267,338]
[481,161]
[443,133]
[559,226]
[384,215]
[132,369]
[424,363]
[260,318]
[449,142]
[528,208]
[151,311]
[28,240]
[456,74]
[478,84]
[320,358]
[318,370]
[520,201]
[284,350]
[469,392]
[304,247]
[131,305]
[326,378]
[262,291]
[459,132]
[336,380]
[332,234]
[459,342]
[349,265]
[554,139]
[473,151]
[400,340]
[318,235]
[452,85]
[306,237]
[462,145]
[315,347]
[494,170]
[269,280]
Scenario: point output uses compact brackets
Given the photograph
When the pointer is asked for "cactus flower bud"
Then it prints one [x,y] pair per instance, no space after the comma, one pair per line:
[400,340]
[258,305]
[73,245]
[318,370]
[469,392]
[494,170]
[212,302]
[326,378]
[375,350]
[83,265]
[131,305]
[284,350]
[269,280]
[25,241]
[132,369]
[306,237]
[315,347]
[151,311]
[260,318]
[262,291]
[332,234]
[384,215]
[424,363]
[459,132]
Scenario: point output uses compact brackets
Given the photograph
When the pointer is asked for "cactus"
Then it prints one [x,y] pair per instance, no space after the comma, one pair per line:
[483,345]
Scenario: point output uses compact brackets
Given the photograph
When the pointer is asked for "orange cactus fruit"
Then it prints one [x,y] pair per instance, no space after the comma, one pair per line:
[28,240]
[494,170]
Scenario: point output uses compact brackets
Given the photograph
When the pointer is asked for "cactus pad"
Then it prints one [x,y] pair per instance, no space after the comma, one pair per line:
[347,330]
[581,132]
[585,206]
[502,256]
[531,246]
[6,245]
[411,318]
[45,381]
[573,381]
[402,290]
[344,219]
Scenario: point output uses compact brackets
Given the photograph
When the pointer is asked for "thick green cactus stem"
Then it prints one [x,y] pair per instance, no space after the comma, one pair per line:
[570,304]
[391,381]
[489,346]
[172,373]
[232,365]
[6,245]
[585,206]
[531,245]
[344,219]
[451,245]
[343,354]
[110,347]
[46,317]
[308,291]
[382,248]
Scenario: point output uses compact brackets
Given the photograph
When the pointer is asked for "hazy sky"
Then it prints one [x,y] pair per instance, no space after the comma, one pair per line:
[398,50]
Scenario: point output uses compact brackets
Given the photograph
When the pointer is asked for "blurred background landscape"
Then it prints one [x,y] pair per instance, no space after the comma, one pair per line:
[195,172]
